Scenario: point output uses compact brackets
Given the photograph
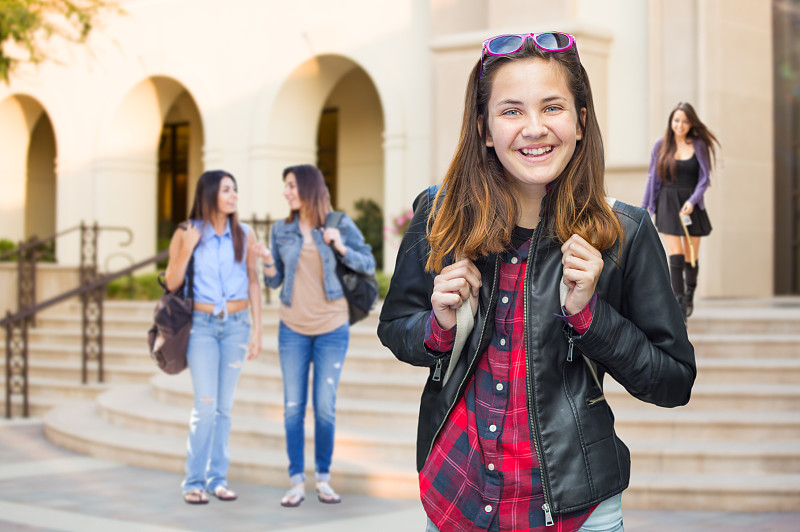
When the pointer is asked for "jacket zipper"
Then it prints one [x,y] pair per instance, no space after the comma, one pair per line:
[480,341]
[548,515]
[437,372]
[571,345]
[591,367]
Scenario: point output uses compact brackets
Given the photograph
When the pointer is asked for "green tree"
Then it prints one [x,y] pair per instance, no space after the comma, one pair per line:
[27,25]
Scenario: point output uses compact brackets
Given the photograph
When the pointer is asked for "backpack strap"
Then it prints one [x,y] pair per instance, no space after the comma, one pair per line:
[190,267]
[333,219]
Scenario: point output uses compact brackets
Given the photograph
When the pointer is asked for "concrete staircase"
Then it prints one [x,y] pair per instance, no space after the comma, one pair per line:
[735,447]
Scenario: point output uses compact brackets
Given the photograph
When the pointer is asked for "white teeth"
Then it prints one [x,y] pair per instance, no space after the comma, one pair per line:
[536,151]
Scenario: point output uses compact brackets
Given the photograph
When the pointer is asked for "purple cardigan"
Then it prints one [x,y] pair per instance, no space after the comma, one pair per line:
[653,187]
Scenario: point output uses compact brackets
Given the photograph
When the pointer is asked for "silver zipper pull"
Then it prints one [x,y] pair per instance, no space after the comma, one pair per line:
[571,345]
[548,517]
[437,372]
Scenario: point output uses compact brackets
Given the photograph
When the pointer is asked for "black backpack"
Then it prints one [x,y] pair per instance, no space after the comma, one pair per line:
[360,289]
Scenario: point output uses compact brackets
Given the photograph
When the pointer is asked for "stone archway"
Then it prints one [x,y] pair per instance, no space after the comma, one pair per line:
[289,132]
[128,167]
[27,169]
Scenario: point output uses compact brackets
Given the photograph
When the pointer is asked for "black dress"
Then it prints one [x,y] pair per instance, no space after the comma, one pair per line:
[672,197]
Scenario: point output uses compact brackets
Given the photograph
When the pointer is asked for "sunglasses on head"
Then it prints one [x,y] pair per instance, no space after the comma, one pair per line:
[551,41]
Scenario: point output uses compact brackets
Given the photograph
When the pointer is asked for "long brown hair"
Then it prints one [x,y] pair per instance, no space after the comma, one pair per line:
[205,206]
[476,209]
[312,191]
[698,130]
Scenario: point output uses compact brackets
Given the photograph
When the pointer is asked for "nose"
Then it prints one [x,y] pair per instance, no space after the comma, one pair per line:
[534,127]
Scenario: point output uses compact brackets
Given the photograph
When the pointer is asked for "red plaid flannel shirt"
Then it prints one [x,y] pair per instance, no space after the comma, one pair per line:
[483,472]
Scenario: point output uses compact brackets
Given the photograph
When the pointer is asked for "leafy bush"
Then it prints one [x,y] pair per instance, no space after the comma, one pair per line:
[383,283]
[44,253]
[143,287]
[7,245]
[370,222]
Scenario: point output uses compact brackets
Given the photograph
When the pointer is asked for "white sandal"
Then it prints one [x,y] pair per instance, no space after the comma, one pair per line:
[294,496]
[326,494]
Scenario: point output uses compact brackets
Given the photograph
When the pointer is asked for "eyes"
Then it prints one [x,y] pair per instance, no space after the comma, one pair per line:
[550,109]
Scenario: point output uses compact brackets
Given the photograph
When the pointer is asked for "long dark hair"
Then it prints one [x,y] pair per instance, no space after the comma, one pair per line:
[205,206]
[666,157]
[478,211]
[312,191]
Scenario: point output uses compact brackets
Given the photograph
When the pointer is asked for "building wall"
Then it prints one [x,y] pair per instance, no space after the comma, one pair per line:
[254,76]
[107,103]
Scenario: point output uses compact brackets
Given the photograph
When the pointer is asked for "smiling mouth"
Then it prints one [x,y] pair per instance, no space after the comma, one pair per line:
[535,152]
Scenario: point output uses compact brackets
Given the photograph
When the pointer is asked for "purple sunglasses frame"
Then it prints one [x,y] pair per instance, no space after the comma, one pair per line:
[524,37]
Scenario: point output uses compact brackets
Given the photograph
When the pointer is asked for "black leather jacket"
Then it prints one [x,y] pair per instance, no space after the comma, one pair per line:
[637,336]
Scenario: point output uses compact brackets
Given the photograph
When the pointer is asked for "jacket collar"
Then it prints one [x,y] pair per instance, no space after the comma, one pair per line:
[207,230]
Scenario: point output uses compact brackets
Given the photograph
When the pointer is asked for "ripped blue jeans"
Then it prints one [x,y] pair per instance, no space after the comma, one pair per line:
[216,354]
[298,352]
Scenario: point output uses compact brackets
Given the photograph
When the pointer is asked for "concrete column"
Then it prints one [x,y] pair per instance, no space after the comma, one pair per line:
[736,102]
[394,191]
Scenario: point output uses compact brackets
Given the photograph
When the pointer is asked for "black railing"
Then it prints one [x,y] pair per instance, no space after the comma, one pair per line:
[91,292]
[28,254]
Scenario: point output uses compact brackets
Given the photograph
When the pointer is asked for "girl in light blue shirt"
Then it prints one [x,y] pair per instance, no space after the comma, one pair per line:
[225,285]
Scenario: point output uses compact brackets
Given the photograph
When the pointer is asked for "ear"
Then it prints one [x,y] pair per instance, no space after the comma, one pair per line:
[580,127]
[489,141]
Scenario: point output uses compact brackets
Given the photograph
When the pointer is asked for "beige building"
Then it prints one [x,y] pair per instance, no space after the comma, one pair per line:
[119,130]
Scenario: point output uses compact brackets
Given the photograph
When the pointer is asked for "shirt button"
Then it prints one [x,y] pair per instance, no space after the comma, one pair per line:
[514,260]
[499,386]
[505,299]
[502,341]
[492,428]
[488,508]
[490,467]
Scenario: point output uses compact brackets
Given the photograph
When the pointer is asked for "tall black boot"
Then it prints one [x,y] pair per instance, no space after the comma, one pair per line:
[676,264]
[690,274]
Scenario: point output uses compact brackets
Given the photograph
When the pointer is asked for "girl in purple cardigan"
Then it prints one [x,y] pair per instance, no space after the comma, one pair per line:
[680,168]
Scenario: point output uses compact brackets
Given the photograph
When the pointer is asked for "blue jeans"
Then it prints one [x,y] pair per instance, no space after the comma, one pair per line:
[616,528]
[297,352]
[217,349]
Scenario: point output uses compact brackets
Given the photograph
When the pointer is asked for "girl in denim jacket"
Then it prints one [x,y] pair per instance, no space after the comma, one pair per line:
[314,321]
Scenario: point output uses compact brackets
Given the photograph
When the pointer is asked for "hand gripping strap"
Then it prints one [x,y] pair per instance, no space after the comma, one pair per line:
[464,324]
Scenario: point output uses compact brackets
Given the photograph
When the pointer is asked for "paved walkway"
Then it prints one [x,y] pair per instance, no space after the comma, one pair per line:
[46,488]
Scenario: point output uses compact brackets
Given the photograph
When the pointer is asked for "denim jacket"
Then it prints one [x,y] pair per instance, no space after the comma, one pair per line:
[287,240]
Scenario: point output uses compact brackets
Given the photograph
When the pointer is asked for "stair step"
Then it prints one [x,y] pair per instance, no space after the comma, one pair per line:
[117,310]
[134,334]
[716,458]
[133,407]
[779,315]
[680,424]
[79,427]
[765,371]
[72,353]
[59,389]
[727,493]
[352,384]
[746,345]
[378,414]
[719,397]
[71,372]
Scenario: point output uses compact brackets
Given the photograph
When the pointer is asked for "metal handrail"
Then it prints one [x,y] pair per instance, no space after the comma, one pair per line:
[37,242]
[101,282]
[92,293]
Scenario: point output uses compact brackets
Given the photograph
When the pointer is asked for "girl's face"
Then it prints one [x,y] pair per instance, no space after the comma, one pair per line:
[291,193]
[680,124]
[532,122]
[227,197]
